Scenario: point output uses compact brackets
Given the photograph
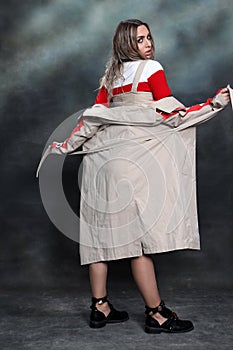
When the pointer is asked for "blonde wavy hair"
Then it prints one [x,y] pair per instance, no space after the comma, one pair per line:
[124,49]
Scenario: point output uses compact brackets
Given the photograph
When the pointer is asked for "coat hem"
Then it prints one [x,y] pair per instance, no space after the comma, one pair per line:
[141,252]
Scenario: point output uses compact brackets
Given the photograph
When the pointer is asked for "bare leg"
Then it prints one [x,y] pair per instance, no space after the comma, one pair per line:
[144,275]
[98,279]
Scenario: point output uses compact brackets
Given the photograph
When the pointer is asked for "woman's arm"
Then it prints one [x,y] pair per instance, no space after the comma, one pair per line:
[158,85]
[102,97]
[84,130]
[183,118]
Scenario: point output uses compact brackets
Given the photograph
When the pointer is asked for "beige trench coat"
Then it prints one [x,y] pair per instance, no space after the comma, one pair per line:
[138,190]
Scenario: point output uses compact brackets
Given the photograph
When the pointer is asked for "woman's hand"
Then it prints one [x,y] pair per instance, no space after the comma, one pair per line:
[226,95]
[221,99]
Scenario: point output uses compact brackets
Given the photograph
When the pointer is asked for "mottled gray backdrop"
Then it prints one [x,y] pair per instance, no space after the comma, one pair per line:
[53,53]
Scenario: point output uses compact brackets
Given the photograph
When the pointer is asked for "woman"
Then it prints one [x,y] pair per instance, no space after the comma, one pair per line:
[140,145]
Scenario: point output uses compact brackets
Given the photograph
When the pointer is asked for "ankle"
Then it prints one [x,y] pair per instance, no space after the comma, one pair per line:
[101,304]
[102,307]
[160,313]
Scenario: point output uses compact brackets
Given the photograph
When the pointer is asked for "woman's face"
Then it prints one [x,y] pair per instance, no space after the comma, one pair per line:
[144,41]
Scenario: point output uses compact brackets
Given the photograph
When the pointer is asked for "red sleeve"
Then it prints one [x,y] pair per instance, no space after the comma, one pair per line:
[158,85]
[102,97]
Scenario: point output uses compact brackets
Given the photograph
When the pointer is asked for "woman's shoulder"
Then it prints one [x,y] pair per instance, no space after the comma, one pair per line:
[150,69]
[153,66]
[130,69]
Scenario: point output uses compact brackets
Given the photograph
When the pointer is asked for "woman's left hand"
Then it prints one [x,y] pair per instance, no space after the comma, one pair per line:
[226,95]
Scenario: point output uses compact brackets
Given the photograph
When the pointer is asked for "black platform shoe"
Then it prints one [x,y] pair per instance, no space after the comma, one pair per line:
[98,318]
[172,325]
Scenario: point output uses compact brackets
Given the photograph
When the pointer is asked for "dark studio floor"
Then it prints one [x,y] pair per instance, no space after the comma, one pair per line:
[58,319]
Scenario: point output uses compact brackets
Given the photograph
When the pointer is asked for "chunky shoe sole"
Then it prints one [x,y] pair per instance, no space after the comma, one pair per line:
[97,324]
[153,330]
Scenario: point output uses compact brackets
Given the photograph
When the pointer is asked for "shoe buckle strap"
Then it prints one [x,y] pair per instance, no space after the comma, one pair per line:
[152,310]
[99,301]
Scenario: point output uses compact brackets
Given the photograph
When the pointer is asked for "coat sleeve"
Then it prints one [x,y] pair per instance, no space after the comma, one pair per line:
[184,117]
[84,130]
